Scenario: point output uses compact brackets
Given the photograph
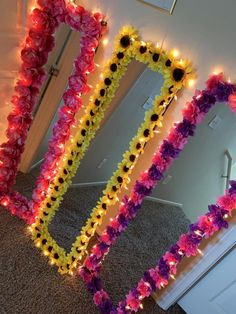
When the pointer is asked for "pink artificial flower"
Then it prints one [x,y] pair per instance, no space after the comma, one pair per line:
[232,102]
[171,261]
[115,224]
[161,282]
[79,83]
[146,180]
[207,226]
[42,21]
[160,162]
[96,251]
[90,26]
[72,100]
[74,16]
[85,63]
[228,202]
[144,288]
[40,41]
[177,139]
[32,76]
[133,302]
[88,44]
[136,198]
[187,245]
[105,238]
[32,58]
[89,263]
[100,297]
[214,80]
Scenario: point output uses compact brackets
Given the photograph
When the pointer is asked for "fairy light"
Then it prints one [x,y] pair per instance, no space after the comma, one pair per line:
[105,42]
[226,216]
[38,244]
[175,53]
[199,96]
[191,83]
[217,70]
[198,232]
[200,252]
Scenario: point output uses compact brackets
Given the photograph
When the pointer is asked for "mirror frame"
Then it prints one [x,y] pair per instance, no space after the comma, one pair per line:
[128,47]
[217,90]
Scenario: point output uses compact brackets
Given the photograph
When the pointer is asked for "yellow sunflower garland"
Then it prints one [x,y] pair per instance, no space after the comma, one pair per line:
[176,74]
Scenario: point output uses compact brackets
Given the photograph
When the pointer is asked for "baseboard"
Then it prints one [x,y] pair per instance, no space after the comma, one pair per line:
[36,164]
[159,200]
[85,184]
[148,198]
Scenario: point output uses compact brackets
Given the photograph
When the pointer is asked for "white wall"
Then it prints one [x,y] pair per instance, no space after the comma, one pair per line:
[196,174]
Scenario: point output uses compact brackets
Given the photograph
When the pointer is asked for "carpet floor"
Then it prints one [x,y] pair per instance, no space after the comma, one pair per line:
[29,284]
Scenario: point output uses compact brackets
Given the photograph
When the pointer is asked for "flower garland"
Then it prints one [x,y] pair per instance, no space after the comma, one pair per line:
[217,90]
[34,55]
[176,75]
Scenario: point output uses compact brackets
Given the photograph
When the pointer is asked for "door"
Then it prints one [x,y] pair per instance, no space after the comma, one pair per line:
[216,292]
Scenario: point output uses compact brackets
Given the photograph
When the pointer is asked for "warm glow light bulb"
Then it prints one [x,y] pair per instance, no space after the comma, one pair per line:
[191,82]
[105,41]
[175,53]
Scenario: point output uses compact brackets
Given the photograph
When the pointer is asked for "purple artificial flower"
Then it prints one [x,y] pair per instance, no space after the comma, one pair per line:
[232,189]
[216,213]
[223,90]
[94,285]
[154,173]
[141,189]
[103,246]
[147,277]
[112,233]
[195,228]
[123,221]
[174,250]
[168,150]
[163,269]
[186,128]
[205,101]
[106,307]
[132,209]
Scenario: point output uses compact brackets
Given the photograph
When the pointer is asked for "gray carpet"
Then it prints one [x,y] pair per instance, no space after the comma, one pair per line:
[29,285]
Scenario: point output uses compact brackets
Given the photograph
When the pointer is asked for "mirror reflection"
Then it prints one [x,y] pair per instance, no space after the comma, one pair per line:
[103,155]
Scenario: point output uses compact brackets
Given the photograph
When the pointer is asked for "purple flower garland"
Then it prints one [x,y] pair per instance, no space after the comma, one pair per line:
[217,90]
[34,55]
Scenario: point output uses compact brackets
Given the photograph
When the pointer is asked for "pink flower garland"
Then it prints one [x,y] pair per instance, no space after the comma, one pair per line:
[34,55]
[156,278]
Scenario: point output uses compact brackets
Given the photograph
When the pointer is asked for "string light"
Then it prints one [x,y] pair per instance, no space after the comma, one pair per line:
[191,83]
[175,53]
[105,42]
[200,252]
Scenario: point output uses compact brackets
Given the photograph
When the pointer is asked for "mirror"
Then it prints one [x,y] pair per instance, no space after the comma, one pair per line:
[103,155]
[176,74]
[196,179]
